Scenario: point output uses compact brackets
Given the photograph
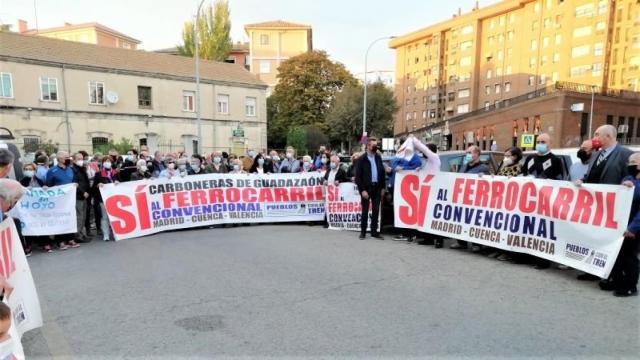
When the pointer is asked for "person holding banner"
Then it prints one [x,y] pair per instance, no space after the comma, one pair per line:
[258,166]
[370,179]
[106,175]
[290,164]
[335,175]
[142,171]
[81,177]
[217,167]
[307,165]
[273,162]
[405,159]
[471,165]
[62,174]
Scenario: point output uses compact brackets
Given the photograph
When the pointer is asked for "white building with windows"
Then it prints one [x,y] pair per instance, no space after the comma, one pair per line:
[81,95]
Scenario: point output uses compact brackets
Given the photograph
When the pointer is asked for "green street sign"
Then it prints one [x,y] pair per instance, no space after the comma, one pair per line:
[238,133]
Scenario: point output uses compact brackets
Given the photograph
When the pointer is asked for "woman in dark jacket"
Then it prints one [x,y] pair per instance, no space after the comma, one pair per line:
[106,175]
[258,166]
[142,171]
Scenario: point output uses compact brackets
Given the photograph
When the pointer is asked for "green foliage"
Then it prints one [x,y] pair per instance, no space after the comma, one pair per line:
[307,84]
[315,137]
[345,116]
[297,137]
[122,146]
[49,147]
[214,27]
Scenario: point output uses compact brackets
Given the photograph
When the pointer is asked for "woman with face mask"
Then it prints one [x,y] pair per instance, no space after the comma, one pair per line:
[107,174]
[29,176]
[290,164]
[197,166]
[307,165]
[170,170]
[258,166]
[142,171]
[217,164]
[511,163]
[236,167]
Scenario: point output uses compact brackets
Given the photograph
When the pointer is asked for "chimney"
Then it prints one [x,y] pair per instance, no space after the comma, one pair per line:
[22,26]
[67,24]
[477,5]
[459,11]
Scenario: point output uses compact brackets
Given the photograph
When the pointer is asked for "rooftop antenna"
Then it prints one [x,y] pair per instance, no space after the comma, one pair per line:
[35,10]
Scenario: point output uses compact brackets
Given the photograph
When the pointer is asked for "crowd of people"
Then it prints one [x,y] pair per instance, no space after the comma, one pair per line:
[601,161]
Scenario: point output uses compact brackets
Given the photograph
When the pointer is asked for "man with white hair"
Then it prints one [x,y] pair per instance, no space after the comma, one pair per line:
[62,174]
[607,166]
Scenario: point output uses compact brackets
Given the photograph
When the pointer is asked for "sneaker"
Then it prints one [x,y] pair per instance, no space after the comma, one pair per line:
[63,247]
[361,237]
[625,293]
[105,238]
[377,236]
[400,238]
[47,249]
[27,253]
[73,244]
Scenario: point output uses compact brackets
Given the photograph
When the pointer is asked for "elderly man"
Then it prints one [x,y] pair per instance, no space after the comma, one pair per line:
[579,168]
[10,192]
[625,272]
[544,164]
[6,162]
[81,178]
[274,161]
[290,164]
[62,174]
[607,166]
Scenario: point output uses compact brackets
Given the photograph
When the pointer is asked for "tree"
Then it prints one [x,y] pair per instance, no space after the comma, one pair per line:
[214,27]
[122,147]
[307,84]
[345,115]
[297,137]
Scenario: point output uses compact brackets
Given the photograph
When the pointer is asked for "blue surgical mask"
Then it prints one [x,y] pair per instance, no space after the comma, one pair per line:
[260,162]
[468,158]
[333,165]
[542,148]
[28,173]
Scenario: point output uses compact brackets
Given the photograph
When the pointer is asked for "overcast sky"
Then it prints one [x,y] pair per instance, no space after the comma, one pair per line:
[343,28]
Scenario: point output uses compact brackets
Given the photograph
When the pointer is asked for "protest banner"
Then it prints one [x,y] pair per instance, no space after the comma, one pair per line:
[343,207]
[47,212]
[580,227]
[146,207]
[23,301]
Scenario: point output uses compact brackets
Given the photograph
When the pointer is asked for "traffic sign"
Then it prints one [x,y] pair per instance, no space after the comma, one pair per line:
[527,141]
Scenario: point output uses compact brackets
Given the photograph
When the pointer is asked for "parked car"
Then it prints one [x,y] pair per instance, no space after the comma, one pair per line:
[5,136]
[451,161]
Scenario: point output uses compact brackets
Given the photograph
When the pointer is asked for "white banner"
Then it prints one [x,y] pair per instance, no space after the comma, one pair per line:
[23,301]
[146,207]
[47,212]
[580,227]
[344,210]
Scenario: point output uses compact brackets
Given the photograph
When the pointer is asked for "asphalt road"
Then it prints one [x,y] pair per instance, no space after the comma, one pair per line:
[295,290]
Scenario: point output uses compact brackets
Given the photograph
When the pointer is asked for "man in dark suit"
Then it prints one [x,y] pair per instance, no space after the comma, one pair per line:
[370,179]
[607,166]
[335,174]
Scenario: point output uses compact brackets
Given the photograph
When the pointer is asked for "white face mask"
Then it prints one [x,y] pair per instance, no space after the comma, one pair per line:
[275,158]
[182,167]
[28,173]
[106,165]
[143,169]
[80,163]
[323,160]
[236,167]
[289,155]
[171,166]
[216,160]
[507,161]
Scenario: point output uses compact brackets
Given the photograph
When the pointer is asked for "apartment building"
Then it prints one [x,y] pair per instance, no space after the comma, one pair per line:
[483,58]
[271,43]
[81,95]
[88,33]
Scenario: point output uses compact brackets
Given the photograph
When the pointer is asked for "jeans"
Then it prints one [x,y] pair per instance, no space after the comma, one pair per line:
[104,223]
[81,215]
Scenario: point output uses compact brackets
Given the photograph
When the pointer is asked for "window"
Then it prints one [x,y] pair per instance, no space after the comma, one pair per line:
[558,39]
[487,90]
[546,23]
[600,26]
[598,49]
[407,116]
[466,45]
[489,74]
[463,108]
[142,142]
[542,80]
[424,99]
[534,44]
[536,7]
[48,89]
[510,35]
[6,85]
[31,143]
[415,101]
[507,87]
[467,30]
[407,102]
[532,80]
[556,57]
[265,66]
[98,141]
[509,51]
[543,60]
[424,114]
[144,96]
[497,88]
[582,31]
[463,93]
[223,104]
[500,54]
[492,23]
[532,62]
[465,61]
[188,100]
[415,115]
[250,106]
[580,51]
[501,21]
[584,11]
[432,114]
[465,76]
[596,69]
[512,18]
[602,7]
[264,39]
[490,40]
[509,69]
[545,42]
[451,96]
[499,71]
[487,105]
[534,25]
[579,70]
[554,76]
[96,93]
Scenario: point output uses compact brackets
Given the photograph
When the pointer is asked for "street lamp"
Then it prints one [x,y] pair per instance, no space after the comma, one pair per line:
[197,56]
[593,92]
[364,107]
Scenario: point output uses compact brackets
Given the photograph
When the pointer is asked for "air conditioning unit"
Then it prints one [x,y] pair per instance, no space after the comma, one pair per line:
[623,129]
